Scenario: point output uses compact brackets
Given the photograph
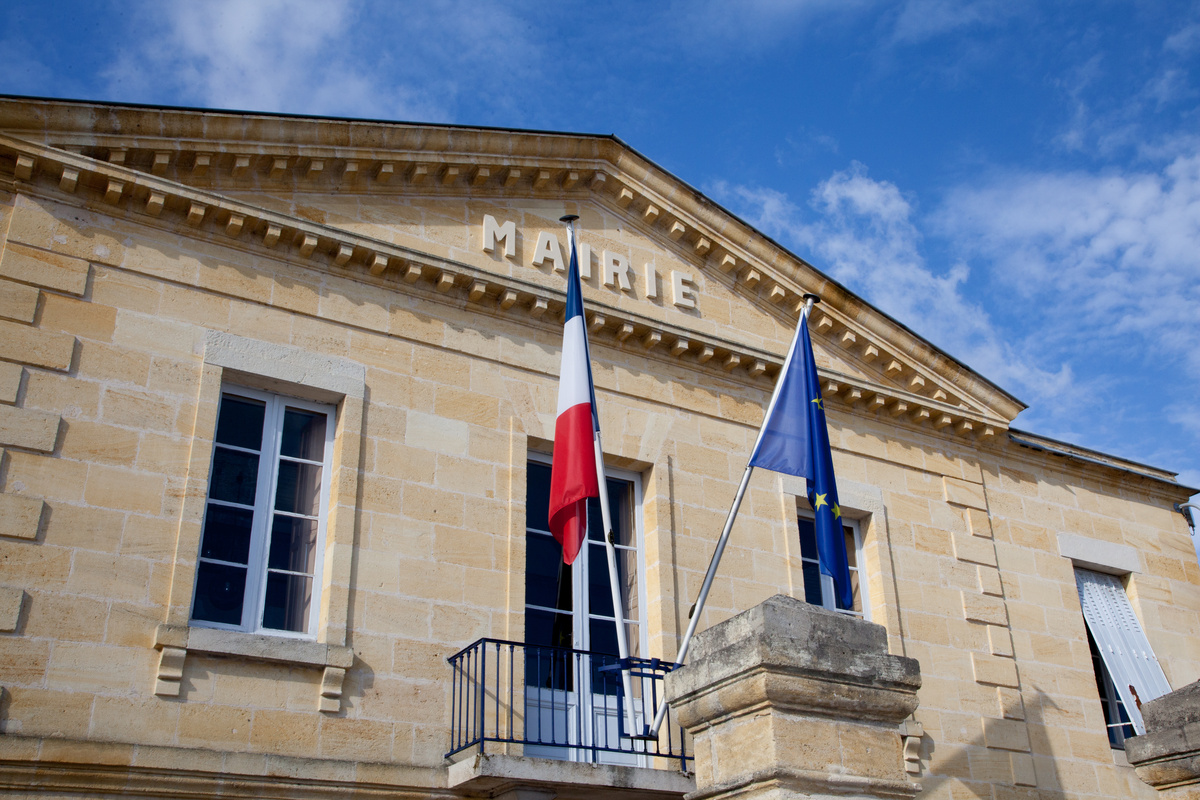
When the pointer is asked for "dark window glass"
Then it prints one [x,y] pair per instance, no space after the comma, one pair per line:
[240,422]
[537,497]
[227,534]
[808,539]
[303,435]
[599,590]
[812,583]
[547,578]
[299,488]
[220,591]
[234,476]
[285,606]
[603,635]
[293,544]
[547,628]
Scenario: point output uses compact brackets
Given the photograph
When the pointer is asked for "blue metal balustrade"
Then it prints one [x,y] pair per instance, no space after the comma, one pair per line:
[560,703]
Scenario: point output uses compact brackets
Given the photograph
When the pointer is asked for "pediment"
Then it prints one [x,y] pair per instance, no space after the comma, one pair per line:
[424,207]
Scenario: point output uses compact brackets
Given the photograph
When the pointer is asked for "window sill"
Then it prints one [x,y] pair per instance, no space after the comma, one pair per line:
[175,641]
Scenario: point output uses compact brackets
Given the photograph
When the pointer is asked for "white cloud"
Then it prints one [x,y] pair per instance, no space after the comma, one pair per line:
[1185,41]
[921,20]
[332,57]
[1121,248]
[862,233]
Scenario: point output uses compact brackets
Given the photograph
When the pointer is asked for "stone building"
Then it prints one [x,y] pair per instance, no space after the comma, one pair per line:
[277,396]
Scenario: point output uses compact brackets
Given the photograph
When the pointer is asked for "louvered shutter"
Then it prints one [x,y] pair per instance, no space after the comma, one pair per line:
[1122,643]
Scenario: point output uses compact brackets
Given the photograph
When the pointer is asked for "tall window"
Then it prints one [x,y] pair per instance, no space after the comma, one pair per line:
[818,588]
[1127,671]
[571,606]
[574,704]
[264,521]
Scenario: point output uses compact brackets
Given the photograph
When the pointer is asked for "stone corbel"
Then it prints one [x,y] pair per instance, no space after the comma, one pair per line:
[331,690]
[911,732]
[171,643]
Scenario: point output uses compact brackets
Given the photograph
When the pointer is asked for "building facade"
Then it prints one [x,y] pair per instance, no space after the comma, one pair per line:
[277,399]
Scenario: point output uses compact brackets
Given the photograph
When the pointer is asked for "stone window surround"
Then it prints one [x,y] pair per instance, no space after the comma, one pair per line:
[279,368]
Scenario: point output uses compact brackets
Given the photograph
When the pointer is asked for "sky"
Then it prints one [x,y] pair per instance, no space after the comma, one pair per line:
[1017,182]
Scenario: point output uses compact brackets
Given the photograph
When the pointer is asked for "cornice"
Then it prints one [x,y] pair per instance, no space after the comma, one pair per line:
[224,150]
[118,187]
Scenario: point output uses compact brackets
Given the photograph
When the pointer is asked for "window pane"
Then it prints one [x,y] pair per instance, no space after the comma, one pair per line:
[546,666]
[227,534]
[240,422]
[293,544]
[599,592]
[537,496]
[851,550]
[547,578]
[808,539]
[285,607]
[603,636]
[812,583]
[299,488]
[234,476]
[220,590]
[303,434]
[618,508]
[547,628]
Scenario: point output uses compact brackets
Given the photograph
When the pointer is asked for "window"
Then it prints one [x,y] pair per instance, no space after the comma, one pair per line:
[1115,718]
[264,519]
[818,588]
[1127,672]
[573,691]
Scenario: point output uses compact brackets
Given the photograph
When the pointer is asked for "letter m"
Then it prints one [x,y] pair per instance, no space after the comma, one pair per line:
[495,233]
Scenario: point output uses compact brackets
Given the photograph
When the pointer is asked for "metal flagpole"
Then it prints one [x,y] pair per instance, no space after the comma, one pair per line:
[609,540]
[698,606]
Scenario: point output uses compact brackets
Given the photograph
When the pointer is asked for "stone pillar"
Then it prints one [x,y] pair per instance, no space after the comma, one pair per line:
[1167,755]
[788,700]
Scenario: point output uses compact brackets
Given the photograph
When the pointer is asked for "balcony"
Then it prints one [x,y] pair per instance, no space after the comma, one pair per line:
[561,704]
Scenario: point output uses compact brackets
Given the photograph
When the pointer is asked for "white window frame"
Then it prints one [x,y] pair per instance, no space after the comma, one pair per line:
[1124,648]
[827,588]
[581,607]
[257,567]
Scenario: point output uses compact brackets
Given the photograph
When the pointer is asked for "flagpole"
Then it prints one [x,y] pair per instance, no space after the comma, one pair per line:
[698,606]
[609,543]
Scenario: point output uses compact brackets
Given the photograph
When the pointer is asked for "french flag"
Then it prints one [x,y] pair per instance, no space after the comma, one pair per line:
[573,474]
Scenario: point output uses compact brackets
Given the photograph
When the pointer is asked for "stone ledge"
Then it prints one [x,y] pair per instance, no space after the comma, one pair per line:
[493,774]
[174,642]
[56,766]
[259,647]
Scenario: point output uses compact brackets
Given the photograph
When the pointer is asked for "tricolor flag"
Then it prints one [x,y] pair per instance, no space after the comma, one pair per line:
[573,476]
[795,440]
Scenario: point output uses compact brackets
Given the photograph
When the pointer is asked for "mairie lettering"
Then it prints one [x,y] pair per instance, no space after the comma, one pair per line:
[615,271]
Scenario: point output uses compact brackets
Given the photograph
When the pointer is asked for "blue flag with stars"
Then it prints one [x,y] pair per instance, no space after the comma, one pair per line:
[794,440]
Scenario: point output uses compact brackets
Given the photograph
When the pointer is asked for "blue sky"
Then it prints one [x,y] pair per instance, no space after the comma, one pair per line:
[1018,182]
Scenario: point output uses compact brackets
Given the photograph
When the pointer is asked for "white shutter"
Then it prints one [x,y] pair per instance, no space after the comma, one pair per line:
[1122,643]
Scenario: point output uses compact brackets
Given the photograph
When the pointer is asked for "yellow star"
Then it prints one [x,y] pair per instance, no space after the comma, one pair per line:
[820,501]
[817,400]
[837,512]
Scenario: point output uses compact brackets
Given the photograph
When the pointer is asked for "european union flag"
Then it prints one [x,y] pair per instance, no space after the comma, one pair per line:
[795,440]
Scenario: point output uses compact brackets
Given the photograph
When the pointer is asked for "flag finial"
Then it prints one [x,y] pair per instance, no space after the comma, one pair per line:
[568,218]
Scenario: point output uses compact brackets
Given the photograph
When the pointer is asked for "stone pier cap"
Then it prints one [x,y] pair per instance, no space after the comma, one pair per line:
[794,656]
[1167,755]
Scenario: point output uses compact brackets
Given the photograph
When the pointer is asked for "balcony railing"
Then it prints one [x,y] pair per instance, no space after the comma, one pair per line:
[554,702]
